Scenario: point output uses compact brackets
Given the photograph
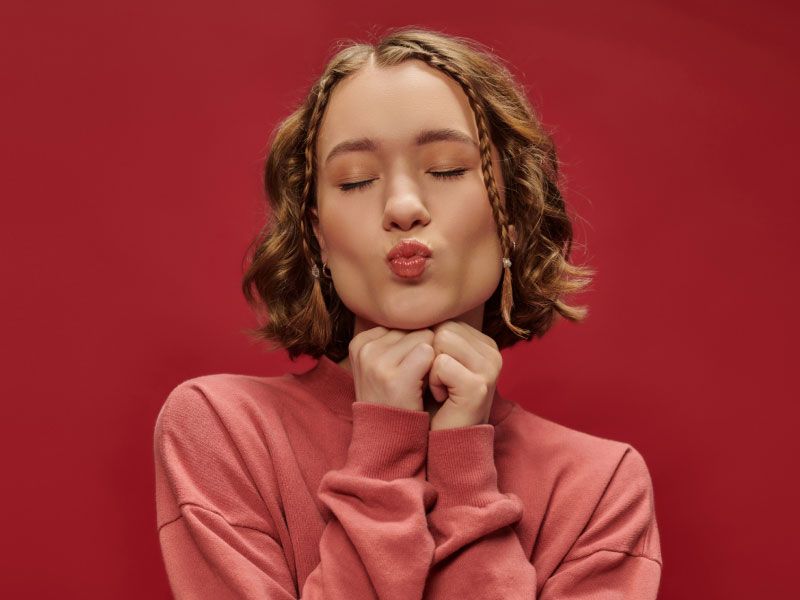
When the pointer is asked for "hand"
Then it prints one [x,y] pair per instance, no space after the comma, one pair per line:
[463,376]
[390,365]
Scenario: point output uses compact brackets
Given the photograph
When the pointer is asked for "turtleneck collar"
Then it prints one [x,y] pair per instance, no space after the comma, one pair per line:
[334,384]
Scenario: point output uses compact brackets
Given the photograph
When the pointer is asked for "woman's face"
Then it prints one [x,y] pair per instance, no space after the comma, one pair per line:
[385,110]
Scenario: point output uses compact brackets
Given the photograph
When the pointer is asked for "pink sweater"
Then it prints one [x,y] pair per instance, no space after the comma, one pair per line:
[285,487]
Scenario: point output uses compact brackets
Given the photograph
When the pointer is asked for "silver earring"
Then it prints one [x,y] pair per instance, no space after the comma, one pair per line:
[506,260]
[315,270]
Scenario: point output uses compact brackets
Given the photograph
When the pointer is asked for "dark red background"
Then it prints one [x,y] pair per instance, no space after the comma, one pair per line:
[133,134]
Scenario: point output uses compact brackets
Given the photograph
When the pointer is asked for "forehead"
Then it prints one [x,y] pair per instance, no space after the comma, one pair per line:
[392,104]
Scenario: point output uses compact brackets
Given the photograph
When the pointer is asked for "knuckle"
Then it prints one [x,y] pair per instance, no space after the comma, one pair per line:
[445,335]
[385,379]
[423,346]
[364,354]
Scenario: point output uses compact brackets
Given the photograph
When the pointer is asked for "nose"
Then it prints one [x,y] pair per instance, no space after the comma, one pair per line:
[405,206]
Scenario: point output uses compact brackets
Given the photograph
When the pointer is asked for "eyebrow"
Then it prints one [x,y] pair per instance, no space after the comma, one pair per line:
[426,136]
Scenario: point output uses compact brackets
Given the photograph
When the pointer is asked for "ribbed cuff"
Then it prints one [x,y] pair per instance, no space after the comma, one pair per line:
[461,465]
[387,442]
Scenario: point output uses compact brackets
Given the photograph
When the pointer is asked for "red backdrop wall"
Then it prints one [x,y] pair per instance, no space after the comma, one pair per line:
[133,134]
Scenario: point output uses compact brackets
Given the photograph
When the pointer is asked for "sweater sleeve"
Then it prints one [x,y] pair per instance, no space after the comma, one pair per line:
[223,542]
[477,552]
[618,554]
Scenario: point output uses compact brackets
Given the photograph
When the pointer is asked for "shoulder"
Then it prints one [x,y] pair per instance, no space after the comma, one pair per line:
[213,420]
[212,449]
[562,448]
[213,404]
[602,485]
[209,442]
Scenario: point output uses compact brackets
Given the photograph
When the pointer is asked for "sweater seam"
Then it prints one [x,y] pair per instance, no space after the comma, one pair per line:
[207,399]
[220,515]
[632,554]
[626,449]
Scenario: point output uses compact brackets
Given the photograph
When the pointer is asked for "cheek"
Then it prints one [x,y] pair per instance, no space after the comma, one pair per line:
[470,216]
[471,233]
[346,234]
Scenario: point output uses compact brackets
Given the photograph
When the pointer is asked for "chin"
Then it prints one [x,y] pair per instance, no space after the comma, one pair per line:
[409,322]
[417,319]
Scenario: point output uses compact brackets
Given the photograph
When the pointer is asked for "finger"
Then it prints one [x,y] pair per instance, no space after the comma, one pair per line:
[435,383]
[464,349]
[394,349]
[439,392]
[476,334]
[418,360]
[366,337]
[482,343]
[450,375]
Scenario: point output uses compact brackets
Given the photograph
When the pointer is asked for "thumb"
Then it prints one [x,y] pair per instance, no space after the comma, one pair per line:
[437,386]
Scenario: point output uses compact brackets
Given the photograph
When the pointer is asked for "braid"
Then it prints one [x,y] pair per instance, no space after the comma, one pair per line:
[321,101]
[421,51]
[306,315]
[316,310]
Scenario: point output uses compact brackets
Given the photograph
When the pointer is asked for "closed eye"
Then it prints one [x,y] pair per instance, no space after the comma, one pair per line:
[449,174]
[357,185]
[349,187]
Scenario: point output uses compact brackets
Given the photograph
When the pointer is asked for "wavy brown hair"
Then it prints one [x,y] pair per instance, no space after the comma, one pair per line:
[306,315]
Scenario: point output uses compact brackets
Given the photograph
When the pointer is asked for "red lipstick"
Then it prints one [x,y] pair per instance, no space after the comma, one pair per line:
[409,258]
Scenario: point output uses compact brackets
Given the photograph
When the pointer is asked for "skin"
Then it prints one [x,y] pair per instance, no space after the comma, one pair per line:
[357,228]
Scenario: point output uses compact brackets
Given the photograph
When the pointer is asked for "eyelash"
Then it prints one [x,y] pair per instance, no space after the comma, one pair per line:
[357,185]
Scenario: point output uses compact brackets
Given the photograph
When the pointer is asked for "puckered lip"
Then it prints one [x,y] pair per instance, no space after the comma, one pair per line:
[409,247]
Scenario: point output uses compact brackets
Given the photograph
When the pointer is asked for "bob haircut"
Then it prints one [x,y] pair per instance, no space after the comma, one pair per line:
[306,315]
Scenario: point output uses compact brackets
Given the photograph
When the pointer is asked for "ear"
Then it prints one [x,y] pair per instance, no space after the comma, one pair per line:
[317,232]
[512,231]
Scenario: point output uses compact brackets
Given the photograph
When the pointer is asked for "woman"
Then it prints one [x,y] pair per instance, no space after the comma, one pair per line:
[417,229]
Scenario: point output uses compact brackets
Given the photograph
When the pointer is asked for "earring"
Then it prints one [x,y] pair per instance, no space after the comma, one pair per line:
[315,270]
[506,260]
